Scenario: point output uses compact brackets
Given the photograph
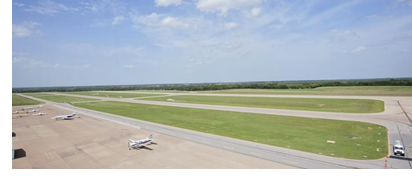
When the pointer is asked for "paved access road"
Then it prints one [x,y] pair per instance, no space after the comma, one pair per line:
[394,118]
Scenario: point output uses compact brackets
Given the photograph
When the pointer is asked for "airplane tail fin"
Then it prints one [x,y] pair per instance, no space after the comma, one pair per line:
[151,137]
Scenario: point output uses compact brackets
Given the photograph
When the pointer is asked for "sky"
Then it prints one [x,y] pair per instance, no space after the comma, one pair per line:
[116,42]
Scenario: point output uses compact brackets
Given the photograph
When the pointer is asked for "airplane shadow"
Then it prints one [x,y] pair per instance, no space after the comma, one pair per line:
[13,134]
[19,153]
[145,147]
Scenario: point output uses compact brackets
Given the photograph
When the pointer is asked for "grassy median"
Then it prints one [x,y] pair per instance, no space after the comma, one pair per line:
[60,99]
[22,101]
[347,91]
[353,140]
[307,104]
[113,94]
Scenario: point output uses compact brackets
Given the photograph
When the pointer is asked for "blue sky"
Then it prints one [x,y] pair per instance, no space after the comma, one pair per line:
[91,42]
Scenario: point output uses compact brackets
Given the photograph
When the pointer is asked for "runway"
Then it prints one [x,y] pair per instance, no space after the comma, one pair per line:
[394,118]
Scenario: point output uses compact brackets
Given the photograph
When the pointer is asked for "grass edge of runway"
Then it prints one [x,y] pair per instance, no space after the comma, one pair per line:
[354,140]
[59,98]
[23,101]
[304,104]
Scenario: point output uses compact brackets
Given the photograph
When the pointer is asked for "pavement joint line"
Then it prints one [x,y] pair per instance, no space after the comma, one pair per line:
[406,114]
[291,162]
[254,153]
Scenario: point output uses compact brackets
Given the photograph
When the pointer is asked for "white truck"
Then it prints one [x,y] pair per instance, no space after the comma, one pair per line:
[398,148]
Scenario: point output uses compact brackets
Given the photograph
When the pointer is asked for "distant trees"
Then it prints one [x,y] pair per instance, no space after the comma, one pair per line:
[222,86]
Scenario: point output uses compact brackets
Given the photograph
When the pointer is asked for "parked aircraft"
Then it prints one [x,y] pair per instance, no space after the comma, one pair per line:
[39,114]
[66,117]
[35,110]
[140,143]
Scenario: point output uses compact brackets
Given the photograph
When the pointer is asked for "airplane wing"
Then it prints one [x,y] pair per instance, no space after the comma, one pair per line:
[144,146]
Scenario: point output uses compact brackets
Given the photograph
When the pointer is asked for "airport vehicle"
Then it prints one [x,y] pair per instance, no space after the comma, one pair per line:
[140,143]
[398,148]
[65,117]
[39,114]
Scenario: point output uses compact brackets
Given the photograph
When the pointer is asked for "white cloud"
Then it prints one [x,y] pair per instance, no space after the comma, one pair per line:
[405,2]
[86,65]
[21,60]
[229,25]
[19,4]
[224,6]
[115,7]
[49,7]
[173,22]
[358,50]
[255,11]
[24,29]
[338,36]
[158,20]
[129,66]
[168,2]
[204,60]
[118,20]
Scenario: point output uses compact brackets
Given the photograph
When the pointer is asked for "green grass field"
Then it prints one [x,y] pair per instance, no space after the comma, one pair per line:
[308,104]
[353,139]
[37,94]
[22,101]
[62,99]
[350,90]
[113,94]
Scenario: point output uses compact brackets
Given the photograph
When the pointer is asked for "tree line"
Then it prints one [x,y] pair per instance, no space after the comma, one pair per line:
[223,86]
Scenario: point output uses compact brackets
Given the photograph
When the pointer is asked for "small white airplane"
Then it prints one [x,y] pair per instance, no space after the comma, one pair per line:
[39,106]
[26,108]
[35,110]
[18,112]
[39,114]
[65,117]
[140,143]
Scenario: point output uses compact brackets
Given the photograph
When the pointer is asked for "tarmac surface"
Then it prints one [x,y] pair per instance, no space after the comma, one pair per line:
[89,142]
[395,118]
